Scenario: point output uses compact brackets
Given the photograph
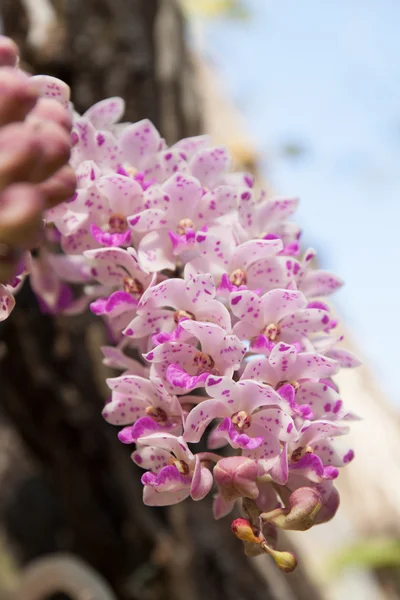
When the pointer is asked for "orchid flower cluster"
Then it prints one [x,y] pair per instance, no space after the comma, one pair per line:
[227,351]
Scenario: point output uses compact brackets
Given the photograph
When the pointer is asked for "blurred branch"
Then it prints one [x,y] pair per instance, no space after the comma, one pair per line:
[61,573]
[135,49]
[46,32]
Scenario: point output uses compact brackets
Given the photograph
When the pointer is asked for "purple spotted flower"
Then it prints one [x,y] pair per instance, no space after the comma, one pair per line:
[217,321]
[163,307]
[278,315]
[286,364]
[97,215]
[143,406]
[184,367]
[121,276]
[238,266]
[183,208]
[174,471]
[251,416]
[266,218]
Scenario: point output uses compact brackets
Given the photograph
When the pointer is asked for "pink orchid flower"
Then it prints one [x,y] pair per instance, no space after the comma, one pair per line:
[183,208]
[233,266]
[328,346]
[90,143]
[262,217]
[316,282]
[175,472]
[97,216]
[121,276]
[142,404]
[183,367]
[163,307]
[251,415]
[286,365]
[278,315]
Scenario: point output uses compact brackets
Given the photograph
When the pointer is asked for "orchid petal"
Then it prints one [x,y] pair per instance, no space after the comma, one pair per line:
[209,164]
[279,303]
[280,470]
[115,305]
[238,440]
[274,210]
[191,145]
[123,193]
[216,203]
[201,416]
[247,306]
[179,378]
[184,192]
[155,252]
[221,507]
[254,250]
[149,322]
[7,302]
[148,220]
[105,113]
[320,283]
[318,430]
[345,358]
[200,288]
[139,143]
[202,481]
[123,409]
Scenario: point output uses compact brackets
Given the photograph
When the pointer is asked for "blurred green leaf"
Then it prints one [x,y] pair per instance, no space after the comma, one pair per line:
[235,9]
[368,554]
[293,150]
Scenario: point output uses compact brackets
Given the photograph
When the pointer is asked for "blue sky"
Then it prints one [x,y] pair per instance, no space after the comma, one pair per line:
[326,76]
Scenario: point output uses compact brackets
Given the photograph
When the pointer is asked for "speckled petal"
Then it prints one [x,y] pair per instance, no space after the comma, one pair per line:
[7,302]
[105,113]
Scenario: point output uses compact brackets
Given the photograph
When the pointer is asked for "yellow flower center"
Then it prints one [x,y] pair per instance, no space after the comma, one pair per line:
[184,225]
[183,314]
[203,362]
[300,452]
[182,467]
[157,414]
[241,419]
[238,277]
[132,286]
[131,171]
[117,223]
[271,331]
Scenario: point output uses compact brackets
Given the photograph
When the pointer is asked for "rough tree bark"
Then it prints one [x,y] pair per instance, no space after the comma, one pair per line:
[82,493]
[130,48]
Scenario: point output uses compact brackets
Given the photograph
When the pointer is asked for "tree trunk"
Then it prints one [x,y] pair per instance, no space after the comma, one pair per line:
[81,492]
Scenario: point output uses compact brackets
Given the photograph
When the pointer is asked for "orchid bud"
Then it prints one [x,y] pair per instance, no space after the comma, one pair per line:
[236,477]
[285,561]
[329,507]
[245,532]
[305,504]
[125,435]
